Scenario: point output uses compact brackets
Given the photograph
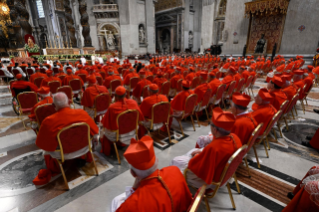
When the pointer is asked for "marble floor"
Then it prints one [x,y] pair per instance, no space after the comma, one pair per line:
[266,190]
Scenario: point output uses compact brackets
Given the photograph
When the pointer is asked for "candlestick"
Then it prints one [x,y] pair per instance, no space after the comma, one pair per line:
[70,43]
[54,43]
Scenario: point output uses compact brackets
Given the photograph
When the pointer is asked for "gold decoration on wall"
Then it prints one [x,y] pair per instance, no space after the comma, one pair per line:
[261,7]
[4,17]
[167,4]
[4,9]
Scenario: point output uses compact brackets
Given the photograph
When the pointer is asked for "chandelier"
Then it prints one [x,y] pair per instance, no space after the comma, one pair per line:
[4,9]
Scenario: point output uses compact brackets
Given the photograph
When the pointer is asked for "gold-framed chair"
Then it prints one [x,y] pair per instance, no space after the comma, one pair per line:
[124,126]
[43,111]
[133,83]
[240,85]
[195,82]
[68,91]
[114,84]
[193,207]
[83,77]
[101,104]
[26,101]
[283,108]
[37,81]
[301,98]
[306,93]
[247,85]
[190,105]
[54,85]
[252,84]
[160,114]
[76,86]
[165,89]
[203,105]
[229,171]
[263,138]
[228,94]
[79,133]
[99,80]
[215,100]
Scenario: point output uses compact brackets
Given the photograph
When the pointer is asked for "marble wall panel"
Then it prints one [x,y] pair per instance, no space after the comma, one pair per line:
[208,14]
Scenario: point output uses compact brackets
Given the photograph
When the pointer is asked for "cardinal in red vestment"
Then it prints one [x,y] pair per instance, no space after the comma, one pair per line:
[263,111]
[159,80]
[162,190]
[70,77]
[138,90]
[298,75]
[50,78]
[206,165]
[110,78]
[178,103]
[201,89]
[274,87]
[36,75]
[245,124]
[21,86]
[213,82]
[289,89]
[229,77]
[174,85]
[44,92]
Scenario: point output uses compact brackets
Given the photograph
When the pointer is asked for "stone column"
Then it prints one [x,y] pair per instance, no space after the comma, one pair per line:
[149,26]
[172,39]
[186,25]
[85,23]
[207,24]
[69,23]
[48,20]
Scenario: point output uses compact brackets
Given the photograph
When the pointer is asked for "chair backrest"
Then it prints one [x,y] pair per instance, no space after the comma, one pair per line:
[27,99]
[161,112]
[99,80]
[145,91]
[254,136]
[103,74]
[302,93]
[54,86]
[150,78]
[272,122]
[190,104]
[166,86]
[240,84]
[43,111]
[206,97]
[220,91]
[127,121]
[185,73]
[37,81]
[102,102]
[15,71]
[292,103]
[284,106]
[9,68]
[218,74]
[55,70]
[193,207]
[42,70]
[232,164]
[73,138]
[29,71]
[2,73]
[195,82]
[114,84]
[133,82]
[253,81]
[249,80]
[67,90]
[179,85]
[61,77]
[83,77]
[120,70]
[231,88]
[75,84]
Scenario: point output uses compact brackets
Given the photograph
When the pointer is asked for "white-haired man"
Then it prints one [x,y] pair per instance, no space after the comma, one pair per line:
[153,190]
[65,116]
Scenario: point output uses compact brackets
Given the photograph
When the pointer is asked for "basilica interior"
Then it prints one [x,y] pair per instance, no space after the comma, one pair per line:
[148,32]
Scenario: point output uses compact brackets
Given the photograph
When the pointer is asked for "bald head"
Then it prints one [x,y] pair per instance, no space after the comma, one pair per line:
[60,100]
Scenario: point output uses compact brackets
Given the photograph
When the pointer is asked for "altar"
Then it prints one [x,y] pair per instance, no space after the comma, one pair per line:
[61,51]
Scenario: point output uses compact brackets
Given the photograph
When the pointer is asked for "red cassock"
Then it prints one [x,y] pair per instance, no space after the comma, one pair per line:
[314,142]
[244,126]
[108,80]
[82,71]
[138,90]
[312,76]
[237,77]
[151,195]
[191,76]
[129,76]
[178,103]
[209,164]
[278,98]
[148,102]
[36,75]
[200,91]
[300,84]
[90,93]
[245,75]
[21,85]
[46,100]
[263,114]
[227,80]
[47,136]
[68,78]
[46,81]
[159,82]
[309,81]
[290,91]
[175,79]
[214,84]
[302,201]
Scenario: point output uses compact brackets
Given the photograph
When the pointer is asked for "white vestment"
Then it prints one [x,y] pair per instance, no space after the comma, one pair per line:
[118,200]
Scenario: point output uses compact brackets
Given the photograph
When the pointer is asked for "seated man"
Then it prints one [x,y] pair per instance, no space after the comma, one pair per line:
[206,165]
[21,86]
[298,82]
[244,73]
[305,195]
[138,90]
[213,82]
[147,105]
[30,67]
[50,127]
[245,124]
[111,76]
[263,111]
[16,66]
[50,78]
[153,190]
[229,77]
[7,75]
[178,103]
[178,76]
[36,75]
[43,67]
[128,77]
[159,80]
[70,76]
[201,89]
[120,105]
[89,95]
[274,87]
[44,93]
[191,74]
[81,71]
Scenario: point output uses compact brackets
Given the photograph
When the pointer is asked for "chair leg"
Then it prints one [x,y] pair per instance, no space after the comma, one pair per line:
[258,164]
[95,167]
[117,153]
[246,162]
[274,131]
[292,113]
[63,174]
[169,134]
[303,106]
[206,203]
[197,119]
[267,143]
[296,110]
[231,196]
[193,123]
[306,100]
[266,148]
[287,128]
[207,114]
[278,125]
[180,125]
[237,186]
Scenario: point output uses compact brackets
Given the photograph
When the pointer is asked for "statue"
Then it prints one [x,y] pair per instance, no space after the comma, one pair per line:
[30,43]
[261,44]
[110,41]
[190,39]
[142,35]
[224,35]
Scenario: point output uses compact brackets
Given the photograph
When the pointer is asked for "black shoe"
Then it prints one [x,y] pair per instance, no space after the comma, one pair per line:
[290,195]
[316,111]
[305,143]
[308,137]
[80,163]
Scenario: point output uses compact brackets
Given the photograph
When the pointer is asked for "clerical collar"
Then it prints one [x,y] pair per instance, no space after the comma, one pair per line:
[243,113]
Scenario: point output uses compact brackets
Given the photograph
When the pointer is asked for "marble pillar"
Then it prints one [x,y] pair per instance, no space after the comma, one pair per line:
[150,26]
[208,16]
[85,23]
[186,25]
